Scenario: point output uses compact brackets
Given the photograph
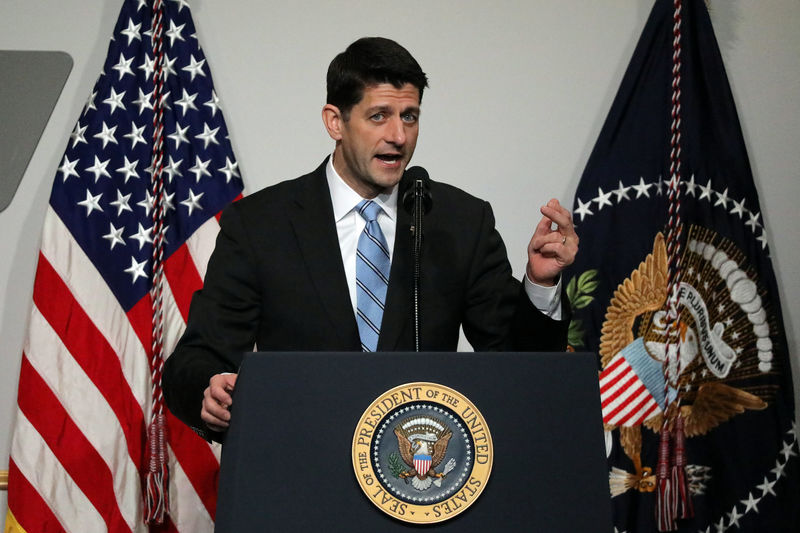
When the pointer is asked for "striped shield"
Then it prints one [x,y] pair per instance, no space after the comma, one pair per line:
[422,463]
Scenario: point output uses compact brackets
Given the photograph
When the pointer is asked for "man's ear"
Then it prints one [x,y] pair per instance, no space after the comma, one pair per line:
[333,121]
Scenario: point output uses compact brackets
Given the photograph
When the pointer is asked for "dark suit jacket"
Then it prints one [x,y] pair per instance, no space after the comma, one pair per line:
[276,281]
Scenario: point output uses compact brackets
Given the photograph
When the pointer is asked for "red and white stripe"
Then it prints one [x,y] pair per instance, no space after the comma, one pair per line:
[624,398]
[422,465]
[84,399]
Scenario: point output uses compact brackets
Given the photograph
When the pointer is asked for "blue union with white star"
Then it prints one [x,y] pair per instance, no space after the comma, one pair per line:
[102,187]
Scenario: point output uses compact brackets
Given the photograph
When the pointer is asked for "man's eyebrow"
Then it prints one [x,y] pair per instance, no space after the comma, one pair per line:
[378,108]
[388,108]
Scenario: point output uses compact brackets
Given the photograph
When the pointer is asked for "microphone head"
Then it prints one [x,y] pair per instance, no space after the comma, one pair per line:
[417,173]
[411,177]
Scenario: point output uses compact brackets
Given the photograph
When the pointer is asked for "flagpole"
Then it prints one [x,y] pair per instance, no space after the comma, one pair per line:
[3,479]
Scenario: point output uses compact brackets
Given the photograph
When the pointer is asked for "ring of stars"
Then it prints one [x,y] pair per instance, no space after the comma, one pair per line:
[658,188]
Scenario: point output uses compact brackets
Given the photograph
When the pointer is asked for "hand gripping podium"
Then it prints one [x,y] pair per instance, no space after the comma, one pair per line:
[384,442]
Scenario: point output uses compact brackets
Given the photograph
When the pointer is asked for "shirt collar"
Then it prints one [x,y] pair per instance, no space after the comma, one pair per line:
[344,198]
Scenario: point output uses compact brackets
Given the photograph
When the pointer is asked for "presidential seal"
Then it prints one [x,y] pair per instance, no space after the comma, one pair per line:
[422,453]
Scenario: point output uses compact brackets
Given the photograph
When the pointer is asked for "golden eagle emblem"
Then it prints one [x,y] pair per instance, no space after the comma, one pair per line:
[723,333]
[422,442]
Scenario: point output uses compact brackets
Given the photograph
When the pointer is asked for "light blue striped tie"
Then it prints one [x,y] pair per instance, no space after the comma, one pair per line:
[372,276]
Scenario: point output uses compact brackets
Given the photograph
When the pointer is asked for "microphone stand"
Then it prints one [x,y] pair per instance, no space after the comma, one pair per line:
[416,230]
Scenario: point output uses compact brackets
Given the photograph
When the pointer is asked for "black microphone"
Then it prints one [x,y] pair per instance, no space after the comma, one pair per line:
[417,201]
[418,179]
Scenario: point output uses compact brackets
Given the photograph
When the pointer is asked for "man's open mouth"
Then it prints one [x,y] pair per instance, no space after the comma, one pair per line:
[389,158]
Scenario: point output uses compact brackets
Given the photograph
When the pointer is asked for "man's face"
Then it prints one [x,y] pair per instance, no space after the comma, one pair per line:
[377,141]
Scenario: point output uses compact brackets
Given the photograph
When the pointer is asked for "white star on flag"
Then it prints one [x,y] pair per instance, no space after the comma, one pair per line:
[722,198]
[144,101]
[121,203]
[193,202]
[208,135]
[114,101]
[124,66]
[107,135]
[230,170]
[136,135]
[173,168]
[174,32]
[91,203]
[621,192]
[195,67]
[641,188]
[602,199]
[200,168]
[213,103]
[187,101]
[132,31]
[67,168]
[143,235]
[77,134]
[705,192]
[136,270]
[129,169]
[179,136]
[148,66]
[99,169]
[583,209]
[114,235]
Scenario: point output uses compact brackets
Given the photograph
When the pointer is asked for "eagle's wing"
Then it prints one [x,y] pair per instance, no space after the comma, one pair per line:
[440,449]
[645,290]
[404,445]
[655,422]
[715,404]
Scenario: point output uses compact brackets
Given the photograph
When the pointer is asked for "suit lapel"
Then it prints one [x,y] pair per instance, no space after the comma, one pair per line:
[312,220]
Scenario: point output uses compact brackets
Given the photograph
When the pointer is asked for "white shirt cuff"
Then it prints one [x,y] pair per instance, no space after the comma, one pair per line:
[545,299]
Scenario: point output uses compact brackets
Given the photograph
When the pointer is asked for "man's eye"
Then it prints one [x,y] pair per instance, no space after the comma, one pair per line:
[377,117]
[409,117]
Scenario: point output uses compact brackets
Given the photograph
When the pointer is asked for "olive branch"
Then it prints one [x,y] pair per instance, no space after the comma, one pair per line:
[396,465]
[579,290]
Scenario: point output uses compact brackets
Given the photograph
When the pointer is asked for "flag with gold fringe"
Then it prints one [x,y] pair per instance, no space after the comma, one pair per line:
[674,289]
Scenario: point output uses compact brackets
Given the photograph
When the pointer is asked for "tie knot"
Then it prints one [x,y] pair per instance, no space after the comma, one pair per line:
[368,210]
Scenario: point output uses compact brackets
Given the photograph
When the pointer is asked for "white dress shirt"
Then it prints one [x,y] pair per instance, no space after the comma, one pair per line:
[349,225]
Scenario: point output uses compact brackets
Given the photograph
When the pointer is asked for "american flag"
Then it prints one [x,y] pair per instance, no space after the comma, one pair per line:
[78,454]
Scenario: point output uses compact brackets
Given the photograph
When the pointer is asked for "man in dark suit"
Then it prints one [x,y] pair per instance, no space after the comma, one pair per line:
[302,266]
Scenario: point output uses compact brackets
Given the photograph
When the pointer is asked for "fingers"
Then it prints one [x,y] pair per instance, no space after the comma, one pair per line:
[560,216]
[544,227]
[551,250]
[555,244]
[564,233]
[217,399]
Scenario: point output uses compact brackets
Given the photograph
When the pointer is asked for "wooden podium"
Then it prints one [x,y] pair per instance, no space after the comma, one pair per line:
[287,463]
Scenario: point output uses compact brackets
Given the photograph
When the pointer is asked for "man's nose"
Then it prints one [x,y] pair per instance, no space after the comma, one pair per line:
[396,133]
